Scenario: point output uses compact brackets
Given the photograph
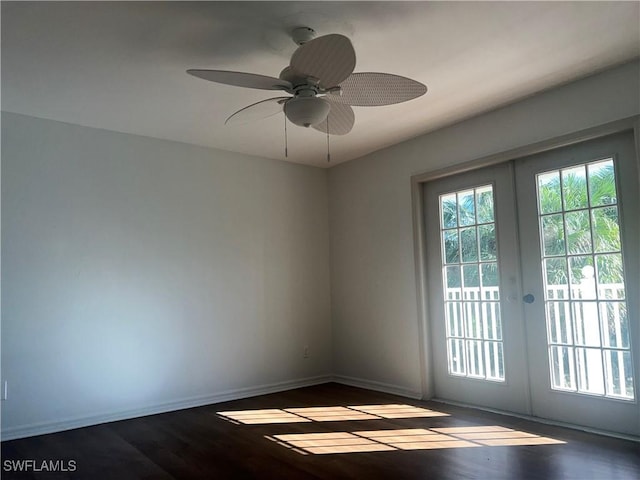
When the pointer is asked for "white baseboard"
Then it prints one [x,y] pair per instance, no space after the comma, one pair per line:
[378,386]
[42,428]
[545,421]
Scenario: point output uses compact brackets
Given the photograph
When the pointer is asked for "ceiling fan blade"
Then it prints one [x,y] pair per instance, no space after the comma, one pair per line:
[329,58]
[339,121]
[372,89]
[241,79]
[257,111]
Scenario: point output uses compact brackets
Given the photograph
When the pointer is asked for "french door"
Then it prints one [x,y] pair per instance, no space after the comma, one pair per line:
[533,271]
[474,289]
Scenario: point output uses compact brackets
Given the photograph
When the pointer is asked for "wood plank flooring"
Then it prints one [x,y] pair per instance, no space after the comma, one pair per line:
[200,443]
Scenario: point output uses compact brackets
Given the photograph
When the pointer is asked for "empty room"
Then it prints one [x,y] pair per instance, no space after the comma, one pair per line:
[298,240]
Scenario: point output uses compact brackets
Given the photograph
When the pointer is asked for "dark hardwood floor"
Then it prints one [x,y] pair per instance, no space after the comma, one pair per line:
[200,443]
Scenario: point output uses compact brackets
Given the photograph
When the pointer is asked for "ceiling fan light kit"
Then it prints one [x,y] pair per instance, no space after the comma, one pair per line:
[307,111]
[322,85]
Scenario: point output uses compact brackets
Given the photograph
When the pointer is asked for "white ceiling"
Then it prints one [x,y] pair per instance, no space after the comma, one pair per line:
[121,65]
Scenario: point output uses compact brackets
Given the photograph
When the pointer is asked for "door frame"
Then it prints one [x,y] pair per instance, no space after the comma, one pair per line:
[419,227]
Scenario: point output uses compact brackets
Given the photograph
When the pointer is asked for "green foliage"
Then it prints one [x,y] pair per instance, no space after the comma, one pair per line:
[568,226]
[466,242]
[573,231]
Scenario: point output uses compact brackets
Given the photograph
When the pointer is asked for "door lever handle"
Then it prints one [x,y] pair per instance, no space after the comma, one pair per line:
[528,298]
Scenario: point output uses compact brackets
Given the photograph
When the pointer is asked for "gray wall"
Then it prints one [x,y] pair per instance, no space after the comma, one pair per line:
[140,275]
[373,288]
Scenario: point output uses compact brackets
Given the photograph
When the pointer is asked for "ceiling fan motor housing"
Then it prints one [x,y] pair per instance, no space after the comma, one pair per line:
[302,35]
[307,111]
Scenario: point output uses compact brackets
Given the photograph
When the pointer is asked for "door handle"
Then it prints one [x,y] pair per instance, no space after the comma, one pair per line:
[528,298]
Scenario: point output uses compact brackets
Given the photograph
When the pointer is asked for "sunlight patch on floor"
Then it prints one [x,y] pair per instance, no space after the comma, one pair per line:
[335,442]
[415,439]
[398,411]
[495,436]
[409,439]
[272,415]
[379,440]
[328,414]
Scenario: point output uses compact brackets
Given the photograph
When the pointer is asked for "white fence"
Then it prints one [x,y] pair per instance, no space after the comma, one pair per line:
[588,335]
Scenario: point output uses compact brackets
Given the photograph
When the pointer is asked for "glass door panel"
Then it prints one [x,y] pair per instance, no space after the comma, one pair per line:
[587,327]
[578,219]
[470,283]
[478,334]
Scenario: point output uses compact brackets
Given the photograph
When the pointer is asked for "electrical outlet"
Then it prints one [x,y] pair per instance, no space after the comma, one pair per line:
[306,351]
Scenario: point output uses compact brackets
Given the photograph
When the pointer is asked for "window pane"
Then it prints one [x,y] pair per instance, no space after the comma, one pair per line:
[492,327]
[454,319]
[559,322]
[466,208]
[484,201]
[469,244]
[449,211]
[562,368]
[602,183]
[611,291]
[451,246]
[553,235]
[609,269]
[574,188]
[471,284]
[578,228]
[590,377]
[471,281]
[488,247]
[456,356]
[588,329]
[495,359]
[453,282]
[606,231]
[618,372]
[549,197]
[490,285]
[615,324]
[557,278]
[586,323]
[475,358]
[581,275]
[473,317]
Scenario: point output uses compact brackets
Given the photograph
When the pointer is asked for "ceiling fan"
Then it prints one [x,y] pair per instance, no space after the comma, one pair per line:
[321,85]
